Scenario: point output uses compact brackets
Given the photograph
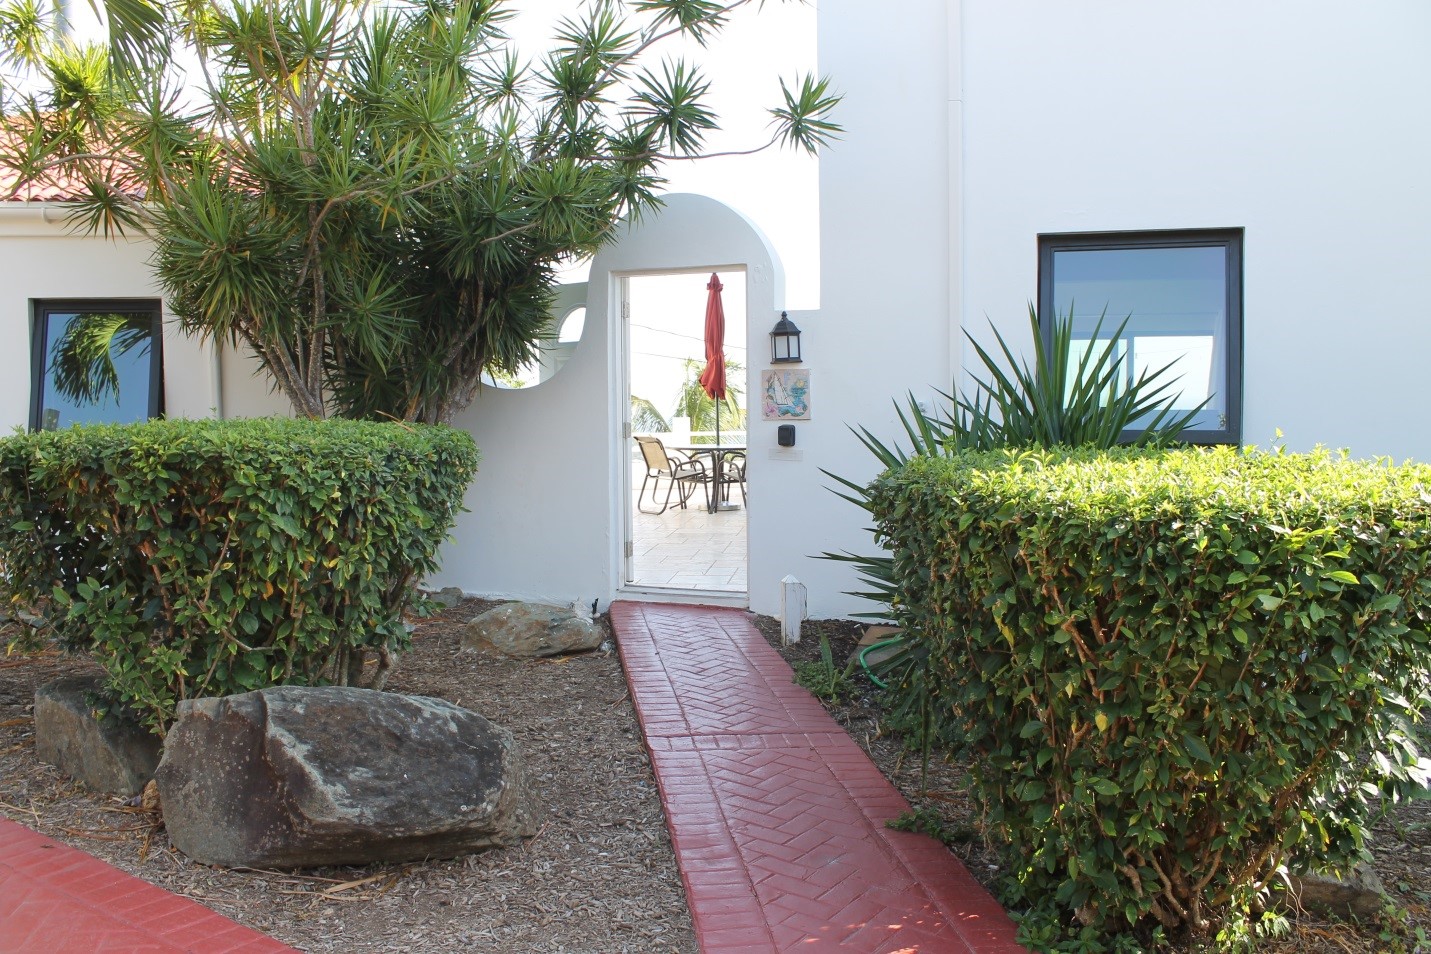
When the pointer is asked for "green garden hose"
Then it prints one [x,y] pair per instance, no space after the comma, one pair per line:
[871,648]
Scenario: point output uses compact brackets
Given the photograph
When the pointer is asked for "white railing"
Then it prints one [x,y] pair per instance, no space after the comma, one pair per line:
[678,438]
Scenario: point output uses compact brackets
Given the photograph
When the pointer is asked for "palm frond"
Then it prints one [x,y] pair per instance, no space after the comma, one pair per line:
[645,418]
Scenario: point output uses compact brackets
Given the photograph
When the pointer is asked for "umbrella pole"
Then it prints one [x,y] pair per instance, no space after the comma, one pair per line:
[719,455]
[717,461]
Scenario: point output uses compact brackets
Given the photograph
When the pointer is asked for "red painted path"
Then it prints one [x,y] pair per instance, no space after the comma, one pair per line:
[777,817]
[58,900]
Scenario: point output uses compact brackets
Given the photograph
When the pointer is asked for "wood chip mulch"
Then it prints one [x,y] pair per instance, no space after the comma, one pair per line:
[599,878]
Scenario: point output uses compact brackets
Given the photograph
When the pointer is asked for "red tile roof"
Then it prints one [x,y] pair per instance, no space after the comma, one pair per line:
[63,191]
[55,185]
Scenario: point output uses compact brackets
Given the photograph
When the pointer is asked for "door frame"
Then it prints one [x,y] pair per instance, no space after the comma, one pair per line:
[624,540]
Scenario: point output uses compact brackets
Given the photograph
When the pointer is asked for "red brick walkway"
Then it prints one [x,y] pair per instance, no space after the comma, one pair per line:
[57,900]
[777,817]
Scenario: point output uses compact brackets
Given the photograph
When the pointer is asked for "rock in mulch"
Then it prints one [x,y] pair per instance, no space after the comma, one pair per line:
[108,753]
[527,630]
[295,777]
[1360,894]
[448,596]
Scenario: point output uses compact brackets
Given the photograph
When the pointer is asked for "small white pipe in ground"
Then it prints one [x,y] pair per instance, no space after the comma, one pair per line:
[792,609]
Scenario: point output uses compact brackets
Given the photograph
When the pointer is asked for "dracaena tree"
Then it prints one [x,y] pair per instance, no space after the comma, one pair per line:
[372,198]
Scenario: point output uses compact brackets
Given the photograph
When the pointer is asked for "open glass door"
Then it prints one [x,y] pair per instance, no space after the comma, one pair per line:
[686,496]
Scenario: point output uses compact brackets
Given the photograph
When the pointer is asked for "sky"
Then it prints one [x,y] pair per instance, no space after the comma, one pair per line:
[668,326]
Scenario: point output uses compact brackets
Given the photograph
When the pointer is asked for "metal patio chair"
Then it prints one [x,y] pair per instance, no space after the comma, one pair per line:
[683,474]
[732,474]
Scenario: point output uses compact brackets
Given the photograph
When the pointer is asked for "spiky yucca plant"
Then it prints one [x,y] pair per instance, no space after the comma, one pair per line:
[1062,398]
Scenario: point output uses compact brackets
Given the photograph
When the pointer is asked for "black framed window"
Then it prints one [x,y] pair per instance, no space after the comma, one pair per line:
[95,362]
[1181,292]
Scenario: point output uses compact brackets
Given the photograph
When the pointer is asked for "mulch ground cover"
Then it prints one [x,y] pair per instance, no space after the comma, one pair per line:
[601,876]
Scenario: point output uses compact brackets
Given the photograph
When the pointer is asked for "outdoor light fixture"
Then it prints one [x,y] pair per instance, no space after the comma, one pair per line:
[784,341]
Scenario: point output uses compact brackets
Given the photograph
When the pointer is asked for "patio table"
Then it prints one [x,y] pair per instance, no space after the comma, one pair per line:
[717,453]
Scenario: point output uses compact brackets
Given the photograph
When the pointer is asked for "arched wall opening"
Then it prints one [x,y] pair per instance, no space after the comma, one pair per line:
[547,512]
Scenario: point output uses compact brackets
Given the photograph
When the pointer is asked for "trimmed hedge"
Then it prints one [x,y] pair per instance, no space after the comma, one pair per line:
[200,558]
[1169,666]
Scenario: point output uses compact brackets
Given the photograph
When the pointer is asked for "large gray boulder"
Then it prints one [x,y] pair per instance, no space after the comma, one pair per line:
[527,630]
[108,754]
[293,777]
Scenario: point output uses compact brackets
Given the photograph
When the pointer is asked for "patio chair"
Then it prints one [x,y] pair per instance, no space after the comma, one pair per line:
[682,473]
[732,474]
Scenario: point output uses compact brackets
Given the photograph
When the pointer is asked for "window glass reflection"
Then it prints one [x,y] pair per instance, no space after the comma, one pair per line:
[1175,302]
[96,368]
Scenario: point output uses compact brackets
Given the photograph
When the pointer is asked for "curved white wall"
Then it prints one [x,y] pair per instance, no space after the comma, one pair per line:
[546,516]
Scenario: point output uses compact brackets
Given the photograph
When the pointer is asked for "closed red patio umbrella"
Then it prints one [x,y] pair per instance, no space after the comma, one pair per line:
[713,377]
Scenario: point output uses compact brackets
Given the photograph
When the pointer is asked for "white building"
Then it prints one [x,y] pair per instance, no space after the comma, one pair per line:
[1249,179]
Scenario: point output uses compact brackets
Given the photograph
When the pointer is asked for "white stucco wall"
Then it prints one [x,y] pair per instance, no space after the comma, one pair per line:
[884,323]
[1301,121]
[971,126]
[40,258]
[546,515]
[245,389]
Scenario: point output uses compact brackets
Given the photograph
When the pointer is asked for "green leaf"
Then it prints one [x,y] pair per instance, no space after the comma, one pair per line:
[1032,791]
[1197,748]
[1269,602]
[1386,602]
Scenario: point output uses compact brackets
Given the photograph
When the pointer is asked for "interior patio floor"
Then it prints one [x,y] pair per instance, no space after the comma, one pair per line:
[691,548]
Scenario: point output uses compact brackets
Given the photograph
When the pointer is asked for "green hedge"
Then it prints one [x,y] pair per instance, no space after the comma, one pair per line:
[199,558]
[1169,665]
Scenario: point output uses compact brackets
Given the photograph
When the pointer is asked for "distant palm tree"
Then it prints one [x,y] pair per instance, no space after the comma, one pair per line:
[701,408]
[645,419]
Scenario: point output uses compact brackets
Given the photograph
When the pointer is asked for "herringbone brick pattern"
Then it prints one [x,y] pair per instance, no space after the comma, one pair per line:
[57,900]
[777,817]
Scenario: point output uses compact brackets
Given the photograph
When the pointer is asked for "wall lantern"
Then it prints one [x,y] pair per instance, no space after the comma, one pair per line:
[784,341]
